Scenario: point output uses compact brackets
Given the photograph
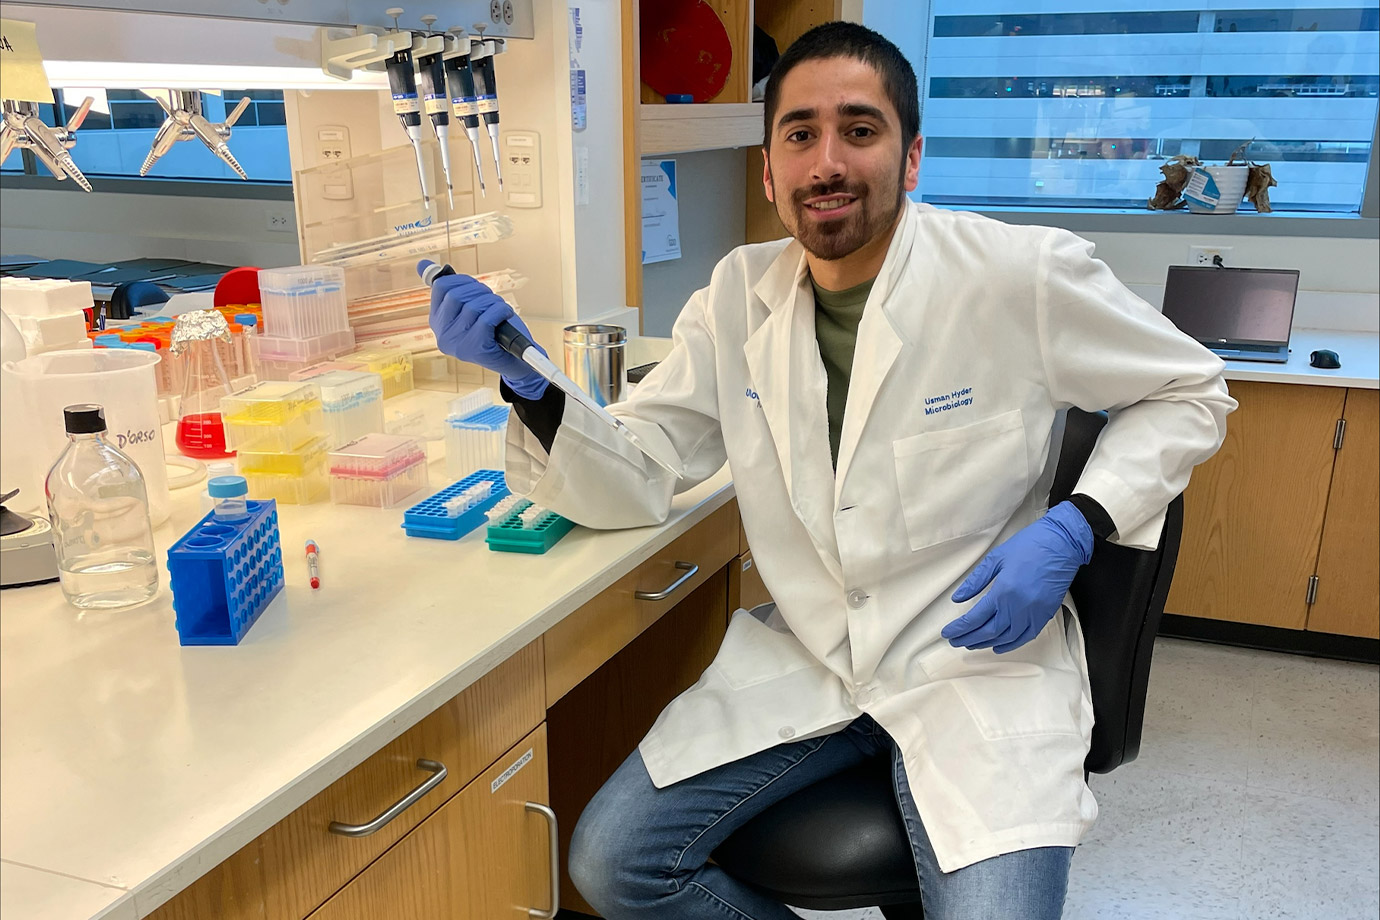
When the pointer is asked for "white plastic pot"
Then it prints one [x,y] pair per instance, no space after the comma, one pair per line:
[1216,189]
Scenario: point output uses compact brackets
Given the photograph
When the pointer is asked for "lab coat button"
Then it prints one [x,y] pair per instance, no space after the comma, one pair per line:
[863,697]
[787,733]
[857,598]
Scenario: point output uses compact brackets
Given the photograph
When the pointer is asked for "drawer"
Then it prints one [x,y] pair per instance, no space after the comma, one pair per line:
[484,855]
[298,863]
[579,644]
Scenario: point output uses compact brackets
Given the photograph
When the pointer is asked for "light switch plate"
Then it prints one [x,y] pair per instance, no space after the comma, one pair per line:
[333,146]
[521,169]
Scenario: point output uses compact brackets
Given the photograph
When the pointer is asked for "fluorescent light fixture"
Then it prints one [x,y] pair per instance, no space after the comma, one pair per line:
[129,75]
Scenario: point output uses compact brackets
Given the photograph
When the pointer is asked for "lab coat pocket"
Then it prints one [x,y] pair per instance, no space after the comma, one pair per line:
[754,651]
[961,481]
[1031,691]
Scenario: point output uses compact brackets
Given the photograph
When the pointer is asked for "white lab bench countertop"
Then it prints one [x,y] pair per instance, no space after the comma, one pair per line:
[1358,352]
[131,765]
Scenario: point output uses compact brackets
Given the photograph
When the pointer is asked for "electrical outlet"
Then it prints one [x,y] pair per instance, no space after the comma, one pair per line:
[1202,255]
[281,221]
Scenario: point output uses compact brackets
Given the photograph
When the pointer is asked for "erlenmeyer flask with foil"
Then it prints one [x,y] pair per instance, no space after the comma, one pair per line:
[200,428]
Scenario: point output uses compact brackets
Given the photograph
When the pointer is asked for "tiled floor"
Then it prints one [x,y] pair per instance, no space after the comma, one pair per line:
[1256,795]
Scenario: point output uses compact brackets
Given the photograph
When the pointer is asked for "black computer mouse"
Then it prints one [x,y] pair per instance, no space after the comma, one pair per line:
[1324,358]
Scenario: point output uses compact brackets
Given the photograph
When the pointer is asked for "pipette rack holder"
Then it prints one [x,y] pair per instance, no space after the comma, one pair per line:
[223,575]
[429,518]
[510,536]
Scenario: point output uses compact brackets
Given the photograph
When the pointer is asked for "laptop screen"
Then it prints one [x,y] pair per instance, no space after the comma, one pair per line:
[1228,306]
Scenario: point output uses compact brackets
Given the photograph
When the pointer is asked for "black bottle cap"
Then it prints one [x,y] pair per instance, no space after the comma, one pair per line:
[86,418]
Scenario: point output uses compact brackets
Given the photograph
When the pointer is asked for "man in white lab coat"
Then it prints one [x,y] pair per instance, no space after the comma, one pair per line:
[885,387]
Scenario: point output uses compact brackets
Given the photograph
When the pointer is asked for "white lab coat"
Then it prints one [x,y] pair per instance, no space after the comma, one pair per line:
[974,337]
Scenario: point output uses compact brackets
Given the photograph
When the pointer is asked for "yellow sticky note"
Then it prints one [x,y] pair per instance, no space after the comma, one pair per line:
[21,66]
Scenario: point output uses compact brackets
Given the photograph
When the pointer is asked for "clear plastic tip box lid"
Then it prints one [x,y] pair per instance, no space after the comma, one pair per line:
[376,456]
[272,416]
[303,301]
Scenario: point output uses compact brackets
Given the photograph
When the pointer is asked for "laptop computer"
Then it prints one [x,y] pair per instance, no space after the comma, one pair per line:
[1240,314]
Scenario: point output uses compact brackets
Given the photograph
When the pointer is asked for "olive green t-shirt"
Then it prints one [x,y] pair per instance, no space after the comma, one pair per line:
[837,314]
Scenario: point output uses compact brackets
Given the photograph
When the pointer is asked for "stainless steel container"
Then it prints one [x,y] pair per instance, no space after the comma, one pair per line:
[596,359]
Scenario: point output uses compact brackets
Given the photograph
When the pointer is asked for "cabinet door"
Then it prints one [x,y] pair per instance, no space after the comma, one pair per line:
[597,724]
[745,586]
[482,856]
[1253,513]
[1348,600]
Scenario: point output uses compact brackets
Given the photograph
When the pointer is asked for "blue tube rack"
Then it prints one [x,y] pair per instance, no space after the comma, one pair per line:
[223,575]
[429,518]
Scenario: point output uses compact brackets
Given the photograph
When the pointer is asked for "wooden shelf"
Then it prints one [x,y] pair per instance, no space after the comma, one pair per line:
[687,128]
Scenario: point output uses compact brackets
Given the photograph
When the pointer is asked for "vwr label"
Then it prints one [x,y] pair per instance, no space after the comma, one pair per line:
[509,773]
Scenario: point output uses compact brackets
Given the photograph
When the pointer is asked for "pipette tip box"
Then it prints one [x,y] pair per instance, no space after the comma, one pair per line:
[475,441]
[275,415]
[430,518]
[511,535]
[377,469]
[224,575]
[296,477]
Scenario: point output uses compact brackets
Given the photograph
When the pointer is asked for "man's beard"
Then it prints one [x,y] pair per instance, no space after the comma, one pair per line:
[835,239]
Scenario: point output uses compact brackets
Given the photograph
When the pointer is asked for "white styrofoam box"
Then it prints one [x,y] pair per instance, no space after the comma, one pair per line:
[43,296]
[48,333]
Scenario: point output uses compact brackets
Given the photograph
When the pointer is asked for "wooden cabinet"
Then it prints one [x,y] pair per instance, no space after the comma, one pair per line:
[1256,513]
[1347,592]
[596,725]
[477,845]
[745,586]
[291,868]
[484,855]
[578,645]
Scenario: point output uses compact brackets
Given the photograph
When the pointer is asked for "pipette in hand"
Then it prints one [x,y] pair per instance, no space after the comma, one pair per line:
[511,340]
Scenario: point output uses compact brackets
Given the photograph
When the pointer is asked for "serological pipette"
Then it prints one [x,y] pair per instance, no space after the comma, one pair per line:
[402,81]
[463,102]
[431,75]
[518,345]
[486,90]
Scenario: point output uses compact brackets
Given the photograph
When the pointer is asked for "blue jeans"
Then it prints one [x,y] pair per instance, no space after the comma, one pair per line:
[639,851]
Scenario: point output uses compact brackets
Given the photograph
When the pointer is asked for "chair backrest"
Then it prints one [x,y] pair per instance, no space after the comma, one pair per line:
[1120,597]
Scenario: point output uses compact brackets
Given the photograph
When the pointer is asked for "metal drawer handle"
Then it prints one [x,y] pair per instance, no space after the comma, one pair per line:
[550,817]
[438,773]
[689,568]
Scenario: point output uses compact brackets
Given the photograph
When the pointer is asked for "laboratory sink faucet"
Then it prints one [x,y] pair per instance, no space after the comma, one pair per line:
[185,121]
[23,128]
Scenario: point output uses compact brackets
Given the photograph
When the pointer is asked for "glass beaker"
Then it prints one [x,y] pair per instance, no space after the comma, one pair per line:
[206,379]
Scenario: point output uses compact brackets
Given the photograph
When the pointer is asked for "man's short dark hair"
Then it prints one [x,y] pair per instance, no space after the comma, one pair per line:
[850,40]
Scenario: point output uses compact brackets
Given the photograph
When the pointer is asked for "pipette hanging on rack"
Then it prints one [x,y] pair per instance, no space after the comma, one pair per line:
[402,81]
[431,79]
[464,103]
[486,91]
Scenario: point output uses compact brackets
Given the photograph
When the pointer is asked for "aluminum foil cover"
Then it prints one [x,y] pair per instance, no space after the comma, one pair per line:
[197,326]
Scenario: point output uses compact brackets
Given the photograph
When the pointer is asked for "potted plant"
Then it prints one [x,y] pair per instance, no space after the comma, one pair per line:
[1189,183]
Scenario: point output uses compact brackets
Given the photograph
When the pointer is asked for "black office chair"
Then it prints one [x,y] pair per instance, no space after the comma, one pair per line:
[840,843]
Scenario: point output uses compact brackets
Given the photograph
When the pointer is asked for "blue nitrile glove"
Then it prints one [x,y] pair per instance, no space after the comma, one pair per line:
[1030,574]
[464,314]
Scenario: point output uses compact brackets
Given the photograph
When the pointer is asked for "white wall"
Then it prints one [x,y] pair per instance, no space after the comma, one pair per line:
[111,226]
[1338,283]
[711,188]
